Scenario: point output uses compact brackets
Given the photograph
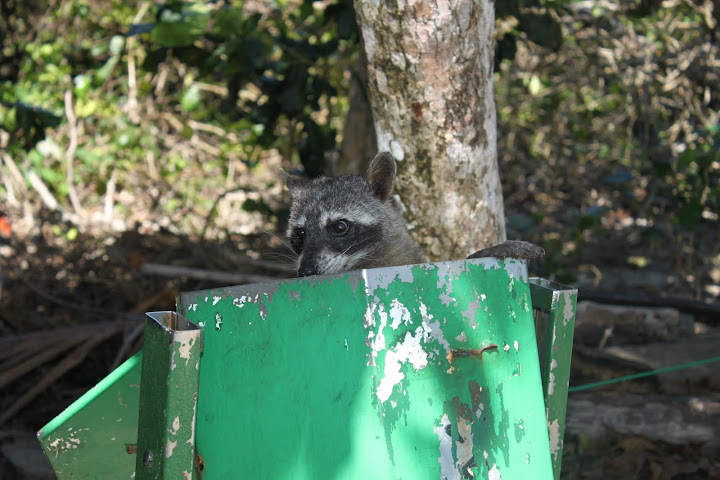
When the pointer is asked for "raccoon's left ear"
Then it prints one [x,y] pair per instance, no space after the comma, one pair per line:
[381,174]
[293,182]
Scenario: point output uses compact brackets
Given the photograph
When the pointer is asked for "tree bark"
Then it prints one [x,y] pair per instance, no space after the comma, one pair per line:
[430,81]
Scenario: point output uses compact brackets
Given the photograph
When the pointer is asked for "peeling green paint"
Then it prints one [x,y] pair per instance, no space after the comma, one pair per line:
[555,323]
[168,398]
[393,373]
[427,371]
[96,435]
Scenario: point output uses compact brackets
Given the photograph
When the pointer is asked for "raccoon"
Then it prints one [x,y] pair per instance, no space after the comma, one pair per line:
[353,222]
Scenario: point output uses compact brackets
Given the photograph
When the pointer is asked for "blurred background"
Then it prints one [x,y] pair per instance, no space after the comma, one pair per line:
[141,144]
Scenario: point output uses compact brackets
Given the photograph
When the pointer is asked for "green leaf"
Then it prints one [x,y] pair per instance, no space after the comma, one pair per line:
[117,43]
[181,29]
[541,28]
[690,214]
[82,84]
[686,159]
[190,98]
[103,72]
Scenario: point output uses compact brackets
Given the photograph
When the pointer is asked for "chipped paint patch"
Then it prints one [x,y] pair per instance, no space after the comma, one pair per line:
[170,448]
[218,321]
[216,299]
[555,443]
[516,345]
[446,460]
[409,350]
[470,312]
[376,341]
[183,349]
[516,269]
[241,301]
[382,278]
[175,426]
[191,440]
[70,442]
[399,314]
[494,473]
[464,445]
[568,310]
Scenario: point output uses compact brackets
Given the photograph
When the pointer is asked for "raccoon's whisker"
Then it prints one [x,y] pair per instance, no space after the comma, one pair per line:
[281,240]
[283,258]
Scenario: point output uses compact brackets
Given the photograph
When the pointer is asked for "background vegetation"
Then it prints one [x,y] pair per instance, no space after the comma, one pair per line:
[610,104]
[133,131]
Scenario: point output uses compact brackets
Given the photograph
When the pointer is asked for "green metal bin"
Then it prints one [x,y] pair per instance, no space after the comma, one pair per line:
[424,371]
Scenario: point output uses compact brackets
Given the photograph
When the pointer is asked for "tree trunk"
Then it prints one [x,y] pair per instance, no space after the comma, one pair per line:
[431,87]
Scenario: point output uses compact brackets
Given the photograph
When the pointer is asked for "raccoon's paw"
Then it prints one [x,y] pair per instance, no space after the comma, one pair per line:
[511,249]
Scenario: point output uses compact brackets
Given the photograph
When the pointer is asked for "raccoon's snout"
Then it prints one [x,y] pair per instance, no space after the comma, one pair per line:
[308,270]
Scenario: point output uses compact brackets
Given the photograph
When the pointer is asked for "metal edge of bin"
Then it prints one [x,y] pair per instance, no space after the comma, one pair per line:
[168,397]
[555,307]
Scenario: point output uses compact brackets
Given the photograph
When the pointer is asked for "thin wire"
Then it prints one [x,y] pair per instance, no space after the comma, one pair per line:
[644,374]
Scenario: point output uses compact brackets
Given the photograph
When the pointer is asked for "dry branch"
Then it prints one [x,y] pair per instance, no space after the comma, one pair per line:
[199,274]
[70,154]
[45,195]
[100,333]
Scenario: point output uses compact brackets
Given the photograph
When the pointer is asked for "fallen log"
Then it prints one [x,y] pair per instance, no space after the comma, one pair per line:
[674,420]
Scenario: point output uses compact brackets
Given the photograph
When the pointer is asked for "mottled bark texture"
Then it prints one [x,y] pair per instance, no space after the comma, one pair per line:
[429,68]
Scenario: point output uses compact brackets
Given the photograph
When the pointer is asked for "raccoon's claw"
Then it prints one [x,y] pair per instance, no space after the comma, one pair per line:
[511,249]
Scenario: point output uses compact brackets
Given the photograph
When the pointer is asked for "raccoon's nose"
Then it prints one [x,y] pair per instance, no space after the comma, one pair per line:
[308,270]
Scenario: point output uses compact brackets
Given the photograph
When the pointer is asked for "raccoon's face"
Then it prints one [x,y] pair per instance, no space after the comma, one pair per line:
[336,224]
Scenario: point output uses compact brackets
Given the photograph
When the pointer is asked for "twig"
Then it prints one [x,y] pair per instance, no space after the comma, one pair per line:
[195,125]
[37,357]
[152,168]
[11,198]
[45,195]
[62,302]
[216,89]
[70,153]
[132,81]
[110,196]
[11,344]
[14,171]
[127,341]
[210,214]
[67,364]
[199,274]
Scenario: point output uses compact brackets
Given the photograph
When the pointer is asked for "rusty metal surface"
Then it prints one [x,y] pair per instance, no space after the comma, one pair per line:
[426,371]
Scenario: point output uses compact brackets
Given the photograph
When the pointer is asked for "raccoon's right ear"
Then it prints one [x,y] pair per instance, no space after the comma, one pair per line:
[381,174]
[293,182]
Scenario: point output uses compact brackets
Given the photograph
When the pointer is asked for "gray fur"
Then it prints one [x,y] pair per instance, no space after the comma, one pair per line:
[377,235]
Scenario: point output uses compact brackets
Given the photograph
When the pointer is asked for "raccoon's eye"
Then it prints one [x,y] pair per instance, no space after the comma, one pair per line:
[340,227]
[298,239]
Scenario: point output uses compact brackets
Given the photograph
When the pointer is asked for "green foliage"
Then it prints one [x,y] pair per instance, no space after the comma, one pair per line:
[149,81]
[616,102]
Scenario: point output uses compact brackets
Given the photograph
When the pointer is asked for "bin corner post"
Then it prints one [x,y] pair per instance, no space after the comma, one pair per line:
[168,397]
[554,305]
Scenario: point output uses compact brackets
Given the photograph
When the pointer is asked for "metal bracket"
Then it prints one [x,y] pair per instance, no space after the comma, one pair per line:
[168,397]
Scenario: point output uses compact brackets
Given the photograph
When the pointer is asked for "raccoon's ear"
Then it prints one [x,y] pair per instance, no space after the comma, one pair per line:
[293,182]
[381,174]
